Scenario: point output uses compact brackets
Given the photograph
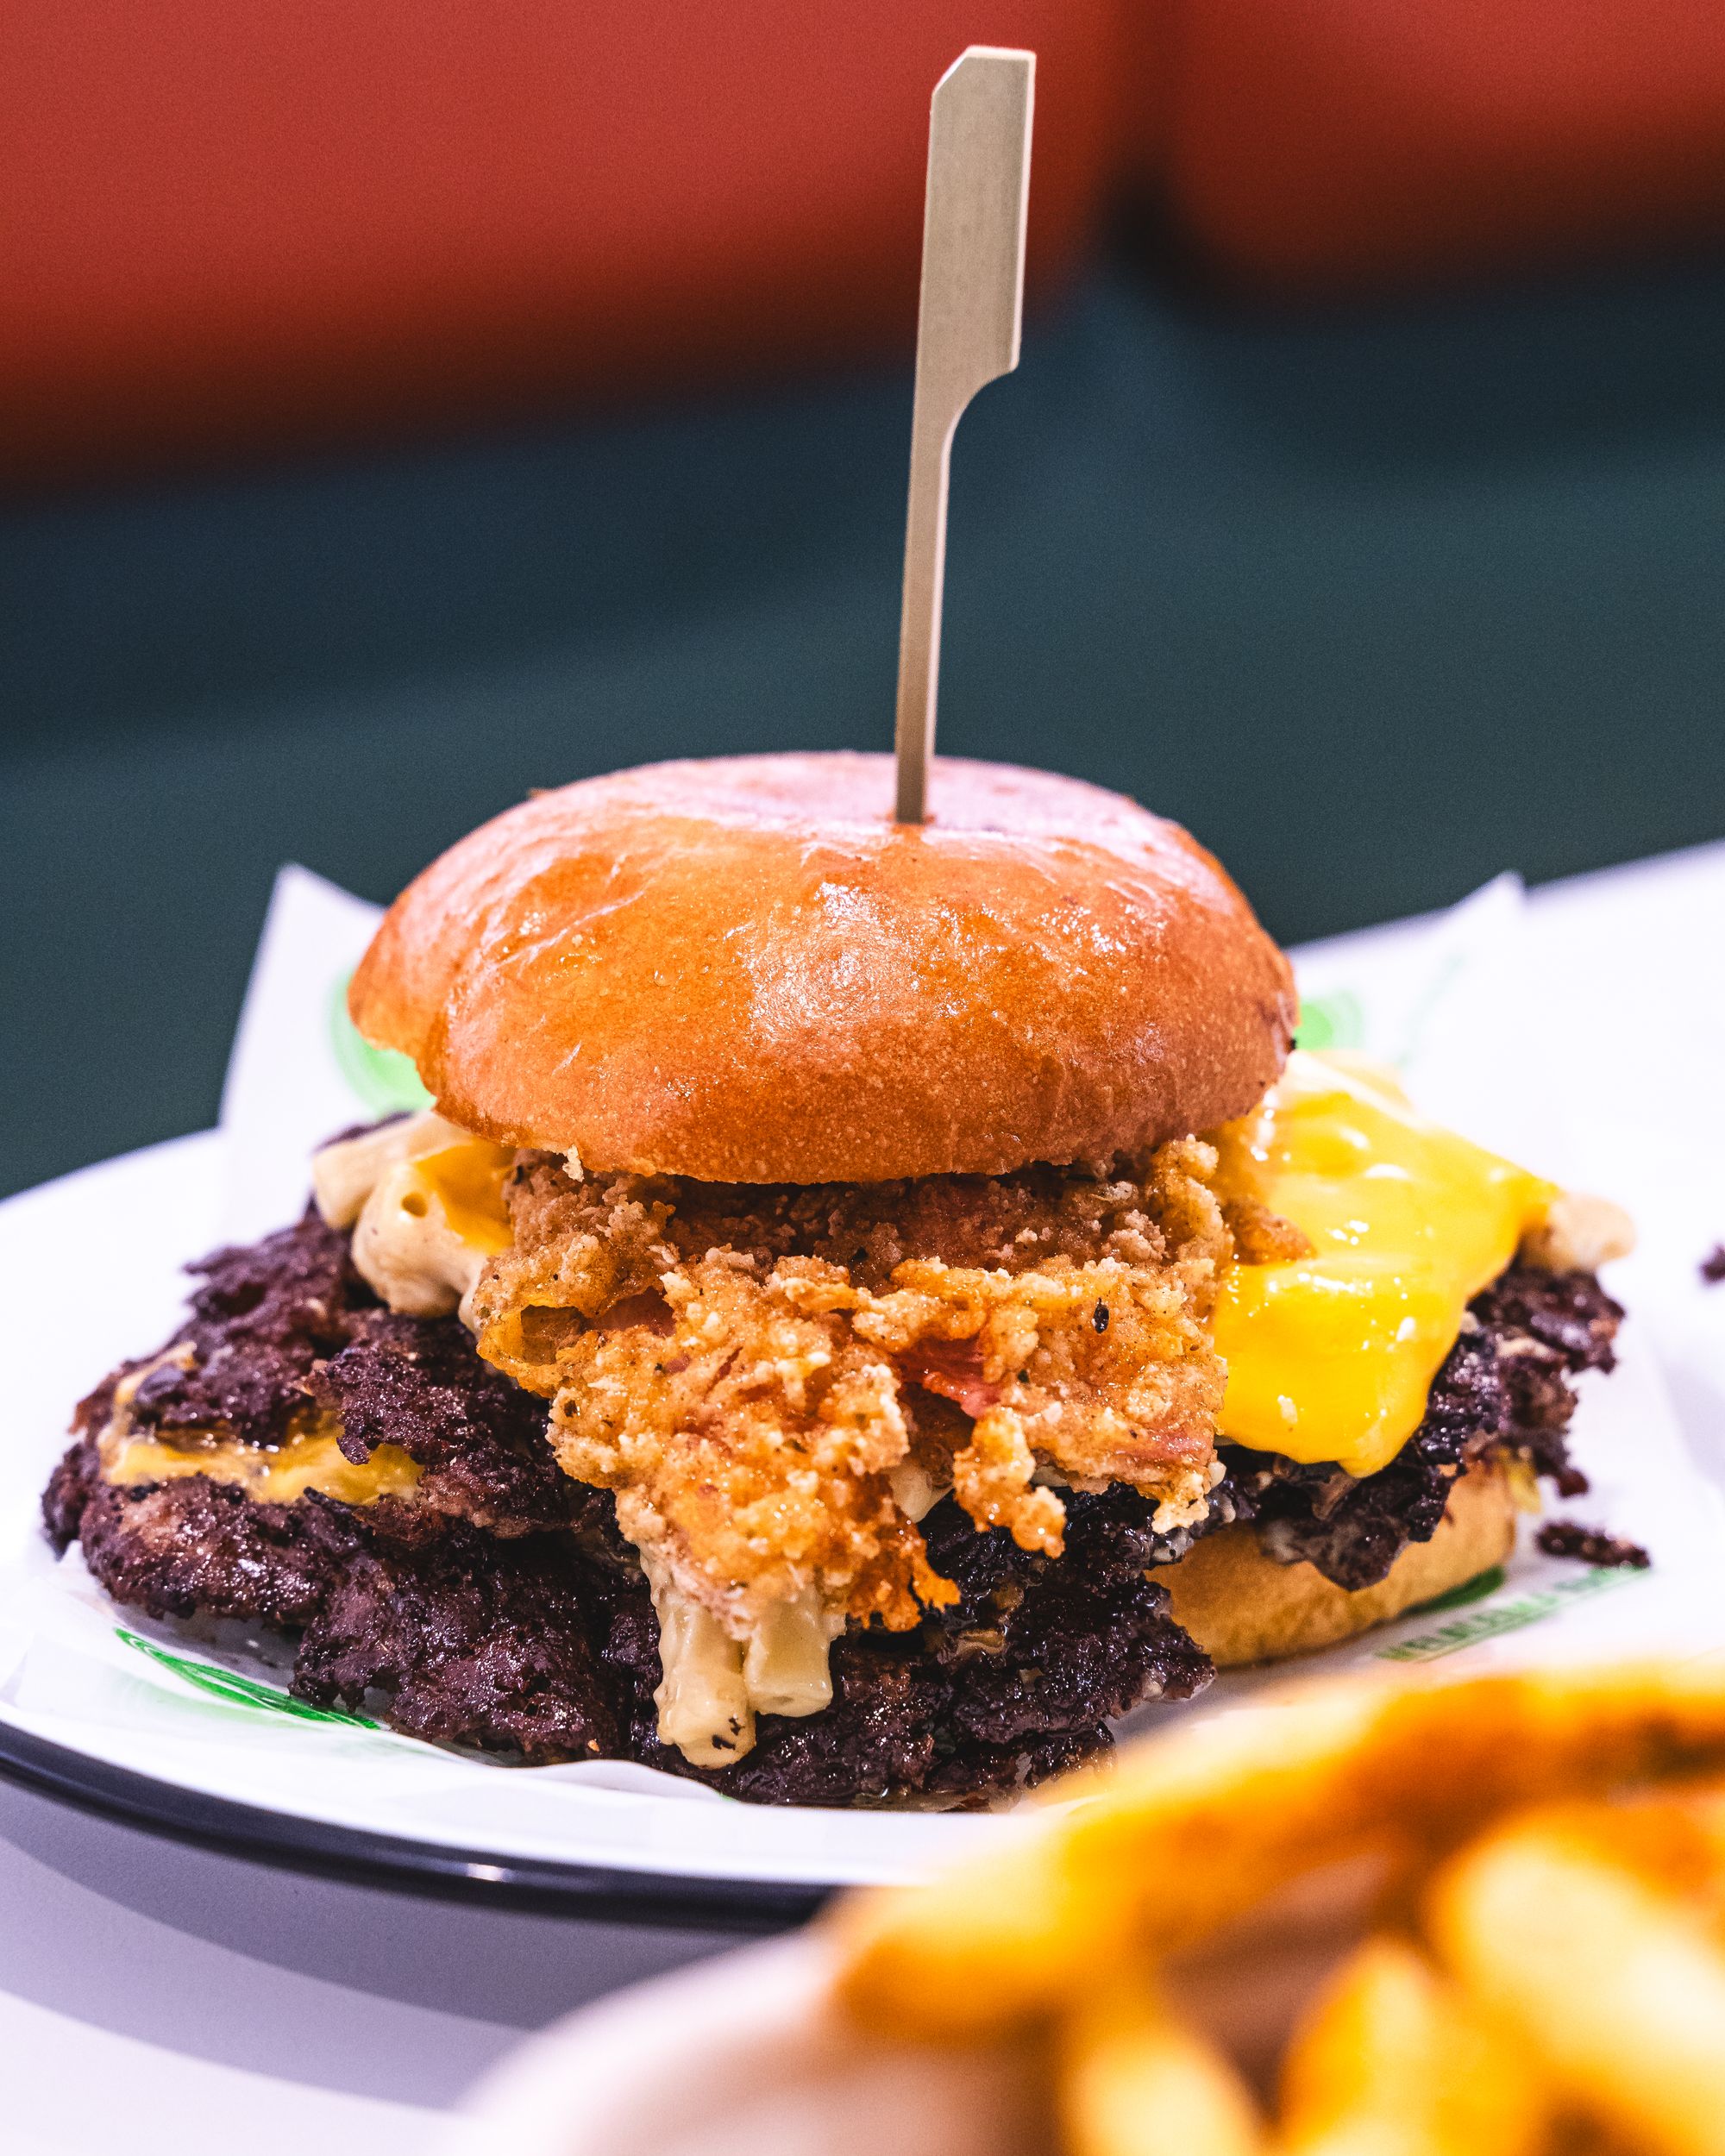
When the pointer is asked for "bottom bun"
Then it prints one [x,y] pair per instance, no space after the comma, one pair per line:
[1240,1606]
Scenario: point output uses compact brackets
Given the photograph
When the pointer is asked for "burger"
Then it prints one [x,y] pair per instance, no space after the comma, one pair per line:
[869,1305]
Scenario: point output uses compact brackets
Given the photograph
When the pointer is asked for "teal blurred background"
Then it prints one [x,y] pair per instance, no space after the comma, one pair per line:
[1378,602]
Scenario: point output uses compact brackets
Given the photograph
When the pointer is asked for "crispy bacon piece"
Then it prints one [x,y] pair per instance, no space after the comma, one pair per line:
[953,1368]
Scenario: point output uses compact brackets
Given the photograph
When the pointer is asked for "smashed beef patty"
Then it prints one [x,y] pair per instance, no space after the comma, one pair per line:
[1505,1391]
[766,1376]
[545,1647]
[457,1636]
[511,1616]
[1012,1682]
[286,1340]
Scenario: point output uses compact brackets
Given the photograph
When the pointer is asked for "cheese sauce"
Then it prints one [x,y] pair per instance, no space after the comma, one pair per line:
[277,1474]
[1330,1356]
[425,1202]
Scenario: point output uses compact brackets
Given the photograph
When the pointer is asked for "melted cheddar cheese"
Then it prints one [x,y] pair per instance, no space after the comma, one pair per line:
[277,1474]
[1330,1355]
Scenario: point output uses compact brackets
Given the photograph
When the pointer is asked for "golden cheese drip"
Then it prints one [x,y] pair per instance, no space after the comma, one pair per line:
[1331,1355]
[274,1475]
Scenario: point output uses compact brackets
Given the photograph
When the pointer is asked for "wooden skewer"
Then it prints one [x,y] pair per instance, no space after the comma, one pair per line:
[968,326]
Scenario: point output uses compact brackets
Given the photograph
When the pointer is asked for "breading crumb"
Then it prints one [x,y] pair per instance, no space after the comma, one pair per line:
[746,1368]
[1264,1237]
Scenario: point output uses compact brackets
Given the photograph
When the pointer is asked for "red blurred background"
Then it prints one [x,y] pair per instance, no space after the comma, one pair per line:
[240,222]
[233,225]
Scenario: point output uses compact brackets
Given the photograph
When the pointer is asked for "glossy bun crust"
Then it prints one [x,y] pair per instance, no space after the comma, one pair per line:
[1240,1606]
[743,970]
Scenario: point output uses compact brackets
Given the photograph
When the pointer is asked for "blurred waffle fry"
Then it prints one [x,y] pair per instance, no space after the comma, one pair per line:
[1614,1985]
[1015,1934]
[1187,1832]
[1673,1838]
[1390,2060]
[1136,2081]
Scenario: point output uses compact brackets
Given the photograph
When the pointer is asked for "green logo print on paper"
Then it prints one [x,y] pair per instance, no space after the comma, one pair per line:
[383,1080]
[1334,1021]
[1487,1623]
[236,1690]
[1473,1590]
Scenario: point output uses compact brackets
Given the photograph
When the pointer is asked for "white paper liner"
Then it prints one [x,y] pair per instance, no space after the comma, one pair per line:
[1499,1018]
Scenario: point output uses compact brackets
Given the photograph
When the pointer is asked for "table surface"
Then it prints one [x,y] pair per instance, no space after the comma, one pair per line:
[214,2004]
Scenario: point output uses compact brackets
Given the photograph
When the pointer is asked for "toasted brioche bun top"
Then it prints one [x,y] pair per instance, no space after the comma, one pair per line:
[743,970]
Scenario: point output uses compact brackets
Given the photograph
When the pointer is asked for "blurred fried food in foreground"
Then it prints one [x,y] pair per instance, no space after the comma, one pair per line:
[1180,1834]
[1136,2081]
[1614,1985]
[1391,2057]
[1537,1963]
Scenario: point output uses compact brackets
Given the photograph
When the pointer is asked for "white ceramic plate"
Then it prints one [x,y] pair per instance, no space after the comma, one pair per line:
[200,1739]
[747,2056]
[742,2057]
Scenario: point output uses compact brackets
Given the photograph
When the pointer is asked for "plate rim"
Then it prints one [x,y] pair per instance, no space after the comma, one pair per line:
[444,1871]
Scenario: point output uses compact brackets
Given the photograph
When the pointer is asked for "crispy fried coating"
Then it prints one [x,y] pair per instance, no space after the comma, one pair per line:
[747,1368]
[1264,1237]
